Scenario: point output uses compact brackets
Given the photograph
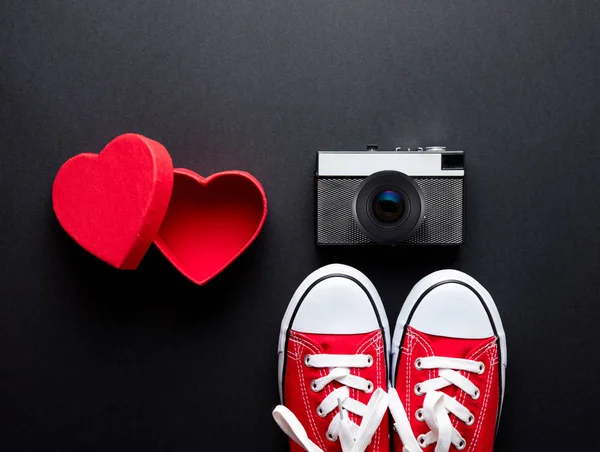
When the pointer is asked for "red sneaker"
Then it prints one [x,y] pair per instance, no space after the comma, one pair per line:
[449,363]
[333,375]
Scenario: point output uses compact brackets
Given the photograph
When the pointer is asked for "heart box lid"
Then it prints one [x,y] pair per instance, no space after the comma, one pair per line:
[115,204]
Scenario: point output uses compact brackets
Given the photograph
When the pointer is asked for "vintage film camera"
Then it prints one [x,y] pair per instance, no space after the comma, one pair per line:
[408,196]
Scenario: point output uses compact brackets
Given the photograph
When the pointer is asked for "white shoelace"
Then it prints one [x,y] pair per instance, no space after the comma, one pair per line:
[352,437]
[437,406]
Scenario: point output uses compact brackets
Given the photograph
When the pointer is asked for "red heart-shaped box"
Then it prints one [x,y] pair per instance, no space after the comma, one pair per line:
[113,203]
[210,221]
[116,203]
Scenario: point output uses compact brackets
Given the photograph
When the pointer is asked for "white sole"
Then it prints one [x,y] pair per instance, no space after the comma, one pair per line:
[435,279]
[323,272]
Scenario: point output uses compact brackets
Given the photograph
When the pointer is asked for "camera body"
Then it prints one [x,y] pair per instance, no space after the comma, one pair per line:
[413,197]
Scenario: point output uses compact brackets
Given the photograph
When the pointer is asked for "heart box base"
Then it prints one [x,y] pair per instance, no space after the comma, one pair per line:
[210,221]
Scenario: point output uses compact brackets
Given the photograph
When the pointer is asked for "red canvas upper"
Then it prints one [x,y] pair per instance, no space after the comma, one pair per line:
[303,402]
[480,435]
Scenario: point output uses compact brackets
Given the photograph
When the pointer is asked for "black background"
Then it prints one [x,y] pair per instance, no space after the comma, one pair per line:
[95,359]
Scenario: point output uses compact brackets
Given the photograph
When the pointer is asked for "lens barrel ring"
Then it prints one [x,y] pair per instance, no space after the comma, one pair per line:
[386,232]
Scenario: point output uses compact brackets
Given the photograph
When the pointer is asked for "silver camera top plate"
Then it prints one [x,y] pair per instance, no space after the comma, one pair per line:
[426,163]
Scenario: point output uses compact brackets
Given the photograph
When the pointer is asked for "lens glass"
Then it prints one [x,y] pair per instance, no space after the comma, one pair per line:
[388,206]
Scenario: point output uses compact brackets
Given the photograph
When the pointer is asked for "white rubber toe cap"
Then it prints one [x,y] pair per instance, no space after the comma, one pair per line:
[335,305]
[452,310]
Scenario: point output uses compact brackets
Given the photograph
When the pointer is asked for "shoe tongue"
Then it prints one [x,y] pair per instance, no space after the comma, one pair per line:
[338,344]
[451,347]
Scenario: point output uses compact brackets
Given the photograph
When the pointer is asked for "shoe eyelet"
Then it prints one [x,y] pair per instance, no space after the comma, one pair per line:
[369,360]
[313,386]
[461,445]
[418,364]
[419,415]
[330,437]
[421,441]
[471,420]
[481,368]
[476,395]
[307,360]
[320,412]
[369,388]
[418,389]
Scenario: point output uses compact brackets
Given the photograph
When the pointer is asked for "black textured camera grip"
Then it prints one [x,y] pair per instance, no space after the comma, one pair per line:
[443,224]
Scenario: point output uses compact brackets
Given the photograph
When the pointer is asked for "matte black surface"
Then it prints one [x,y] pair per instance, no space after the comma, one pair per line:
[260,86]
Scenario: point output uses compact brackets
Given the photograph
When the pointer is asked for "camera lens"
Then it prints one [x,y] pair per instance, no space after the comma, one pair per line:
[388,206]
